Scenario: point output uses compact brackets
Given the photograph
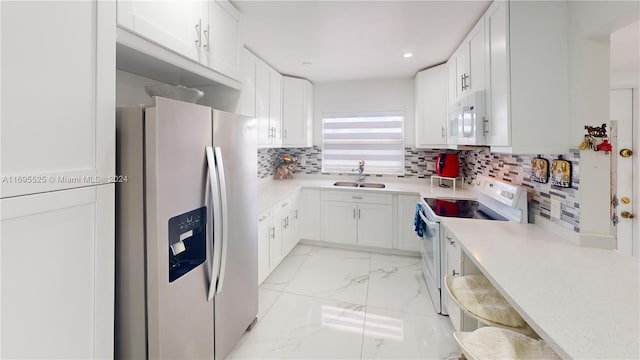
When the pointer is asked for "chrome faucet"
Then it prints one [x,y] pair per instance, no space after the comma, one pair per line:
[360,170]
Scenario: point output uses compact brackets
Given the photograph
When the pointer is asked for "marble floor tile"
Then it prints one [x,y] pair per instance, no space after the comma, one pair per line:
[282,275]
[302,327]
[266,299]
[399,289]
[335,274]
[396,335]
[379,261]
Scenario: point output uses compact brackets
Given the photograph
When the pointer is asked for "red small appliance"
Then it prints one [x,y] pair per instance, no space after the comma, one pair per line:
[447,165]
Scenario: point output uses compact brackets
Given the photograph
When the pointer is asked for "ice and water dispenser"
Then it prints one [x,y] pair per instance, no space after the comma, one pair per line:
[187,242]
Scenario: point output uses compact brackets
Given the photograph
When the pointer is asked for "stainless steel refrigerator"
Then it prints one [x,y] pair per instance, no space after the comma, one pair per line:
[186,232]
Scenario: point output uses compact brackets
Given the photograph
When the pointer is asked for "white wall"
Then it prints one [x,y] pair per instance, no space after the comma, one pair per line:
[364,96]
[590,25]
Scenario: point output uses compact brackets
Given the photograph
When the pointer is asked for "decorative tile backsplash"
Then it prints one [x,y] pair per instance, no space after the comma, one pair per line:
[515,169]
[415,161]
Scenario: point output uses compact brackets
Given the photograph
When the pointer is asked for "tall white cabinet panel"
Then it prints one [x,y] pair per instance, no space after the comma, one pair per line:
[262,103]
[176,25]
[431,107]
[375,225]
[528,98]
[58,102]
[223,38]
[407,238]
[275,106]
[57,264]
[311,225]
[297,112]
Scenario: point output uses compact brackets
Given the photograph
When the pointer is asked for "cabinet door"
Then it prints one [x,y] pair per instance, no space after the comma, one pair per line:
[295,112]
[407,238]
[477,56]
[339,222]
[311,224]
[264,238]
[247,101]
[462,70]
[58,98]
[223,38]
[275,106]
[498,111]
[294,221]
[262,103]
[57,264]
[375,225]
[171,24]
[431,107]
[451,82]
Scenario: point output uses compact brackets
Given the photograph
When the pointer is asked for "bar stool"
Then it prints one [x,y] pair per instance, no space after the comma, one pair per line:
[489,343]
[475,295]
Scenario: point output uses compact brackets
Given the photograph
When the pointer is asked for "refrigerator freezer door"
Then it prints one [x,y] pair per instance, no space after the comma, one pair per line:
[236,300]
[180,318]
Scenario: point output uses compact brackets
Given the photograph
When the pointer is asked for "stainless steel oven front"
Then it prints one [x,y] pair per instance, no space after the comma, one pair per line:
[431,256]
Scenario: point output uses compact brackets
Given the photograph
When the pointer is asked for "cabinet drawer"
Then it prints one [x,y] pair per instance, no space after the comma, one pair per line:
[358,196]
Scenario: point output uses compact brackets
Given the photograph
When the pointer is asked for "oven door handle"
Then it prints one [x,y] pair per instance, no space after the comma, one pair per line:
[427,221]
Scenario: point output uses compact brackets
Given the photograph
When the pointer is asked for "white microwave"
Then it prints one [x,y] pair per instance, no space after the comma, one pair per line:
[468,120]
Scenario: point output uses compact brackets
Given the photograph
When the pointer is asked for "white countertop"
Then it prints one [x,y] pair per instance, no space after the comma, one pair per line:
[583,302]
[270,192]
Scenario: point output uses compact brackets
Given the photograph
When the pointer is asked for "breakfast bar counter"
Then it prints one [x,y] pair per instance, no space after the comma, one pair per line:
[584,302]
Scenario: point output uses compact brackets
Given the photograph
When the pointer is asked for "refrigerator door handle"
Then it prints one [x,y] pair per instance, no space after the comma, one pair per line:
[225,214]
[216,243]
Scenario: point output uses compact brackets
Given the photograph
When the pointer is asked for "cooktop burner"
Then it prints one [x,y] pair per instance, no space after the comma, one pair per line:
[469,209]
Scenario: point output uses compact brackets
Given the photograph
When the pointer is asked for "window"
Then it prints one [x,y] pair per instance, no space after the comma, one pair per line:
[377,139]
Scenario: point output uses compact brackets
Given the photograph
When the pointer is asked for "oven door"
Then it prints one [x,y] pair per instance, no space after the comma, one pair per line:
[430,249]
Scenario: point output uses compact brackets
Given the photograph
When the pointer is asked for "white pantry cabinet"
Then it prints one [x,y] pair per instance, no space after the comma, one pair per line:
[431,107]
[407,238]
[268,100]
[297,112]
[207,32]
[58,264]
[58,98]
[357,218]
[528,96]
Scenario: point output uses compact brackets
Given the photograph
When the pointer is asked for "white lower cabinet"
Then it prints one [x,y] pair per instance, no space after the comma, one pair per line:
[265,232]
[58,266]
[278,234]
[310,217]
[358,218]
[407,238]
[456,266]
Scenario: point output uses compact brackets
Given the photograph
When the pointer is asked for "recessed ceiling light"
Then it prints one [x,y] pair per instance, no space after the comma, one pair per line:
[407,55]
[306,63]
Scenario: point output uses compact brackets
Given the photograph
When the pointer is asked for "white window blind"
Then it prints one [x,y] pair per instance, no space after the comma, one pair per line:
[376,139]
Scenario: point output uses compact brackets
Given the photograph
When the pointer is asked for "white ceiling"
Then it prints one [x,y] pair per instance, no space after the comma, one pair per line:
[349,40]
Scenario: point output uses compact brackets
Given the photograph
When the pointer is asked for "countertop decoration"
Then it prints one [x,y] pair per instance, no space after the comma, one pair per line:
[285,168]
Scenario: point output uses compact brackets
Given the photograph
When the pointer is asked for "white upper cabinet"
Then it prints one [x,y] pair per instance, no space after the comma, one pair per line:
[275,106]
[268,95]
[223,38]
[58,98]
[297,112]
[431,107]
[207,32]
[466,67]
[175,25]
[528,96]
[247,102]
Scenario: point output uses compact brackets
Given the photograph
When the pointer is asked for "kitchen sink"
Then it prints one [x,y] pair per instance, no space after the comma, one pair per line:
[355,184]
[345,183]
[373,185]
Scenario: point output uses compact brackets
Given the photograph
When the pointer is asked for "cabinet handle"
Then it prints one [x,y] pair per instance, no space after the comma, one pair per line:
[285,134]
[359,213]
[357,197]
[287,222]
[198,27]
[354,213]
[206,37]
[454,273]
[296,212]
[443,131]
[273,232]
[461,82]
[467,85]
